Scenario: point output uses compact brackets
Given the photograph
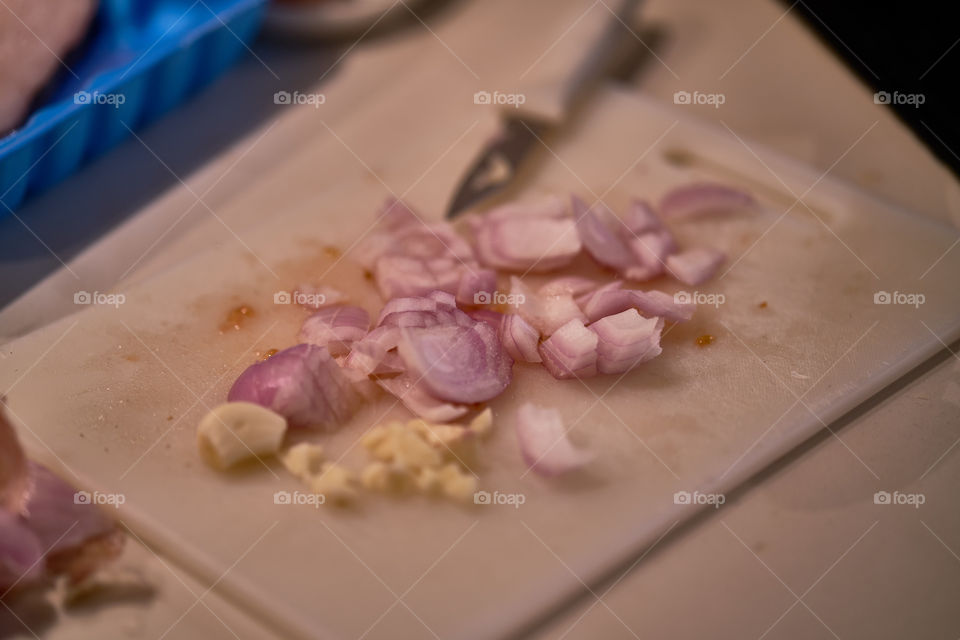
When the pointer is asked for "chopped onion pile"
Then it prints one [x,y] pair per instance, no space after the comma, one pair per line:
[44,530]
[439,349]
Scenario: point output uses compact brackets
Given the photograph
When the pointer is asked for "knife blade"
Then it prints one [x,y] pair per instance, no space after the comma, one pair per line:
[521,133]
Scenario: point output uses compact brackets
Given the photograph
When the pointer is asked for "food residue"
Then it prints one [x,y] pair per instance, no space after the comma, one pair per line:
[236,318]
[763,305]
[705,339]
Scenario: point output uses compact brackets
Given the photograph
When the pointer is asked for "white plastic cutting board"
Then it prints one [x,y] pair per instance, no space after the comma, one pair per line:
[115,392]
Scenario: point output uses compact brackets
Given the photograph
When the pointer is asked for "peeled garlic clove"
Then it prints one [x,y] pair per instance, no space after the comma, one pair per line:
[237,431]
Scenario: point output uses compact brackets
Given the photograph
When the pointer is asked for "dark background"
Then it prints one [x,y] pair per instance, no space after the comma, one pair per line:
[905,47]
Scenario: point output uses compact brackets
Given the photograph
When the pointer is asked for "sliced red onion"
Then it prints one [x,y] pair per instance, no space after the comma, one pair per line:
[584,298]
[695,266]
[650,303]
[402,305]
[461,364]
[641,218]
[335,328]
[545,313]
[14,476]
[568,285]
[703,199]
[399,276]
[303,383]
[570,352]
[527,243]
[520,339]
[372,355]
[544,444]
[21,556]
[475,285]
[492,318]
[626,339]
[78,536]
[603,245]
[418,400]
[652,248]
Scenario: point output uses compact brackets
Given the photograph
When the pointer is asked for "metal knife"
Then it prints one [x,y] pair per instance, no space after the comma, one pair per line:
[559,83]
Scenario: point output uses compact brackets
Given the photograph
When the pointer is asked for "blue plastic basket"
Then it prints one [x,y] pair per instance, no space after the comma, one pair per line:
[141,59]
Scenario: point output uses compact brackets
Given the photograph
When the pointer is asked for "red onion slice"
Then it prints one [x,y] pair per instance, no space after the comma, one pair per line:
[335,328]
[544,444]
[650,303]
[695,266]
[568,285]
[527,243]
[488,316]
[415,398]
[399,276]
[625,340]
[702,199]
[570,352]
[21,556]
[14,476]
[641,218]
[78,536]
[461,364]
[520,339]
[476,285]
[303,383]
[603,245]
[545,313]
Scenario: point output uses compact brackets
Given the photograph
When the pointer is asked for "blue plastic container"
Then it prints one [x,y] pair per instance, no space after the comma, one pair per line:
[141,59]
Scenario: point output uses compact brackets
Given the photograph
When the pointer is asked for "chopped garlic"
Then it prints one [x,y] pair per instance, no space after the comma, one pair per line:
[304,460]
[237,431]
[456,484]
[482,425]
[335,483]
[380,476]
[401,444]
